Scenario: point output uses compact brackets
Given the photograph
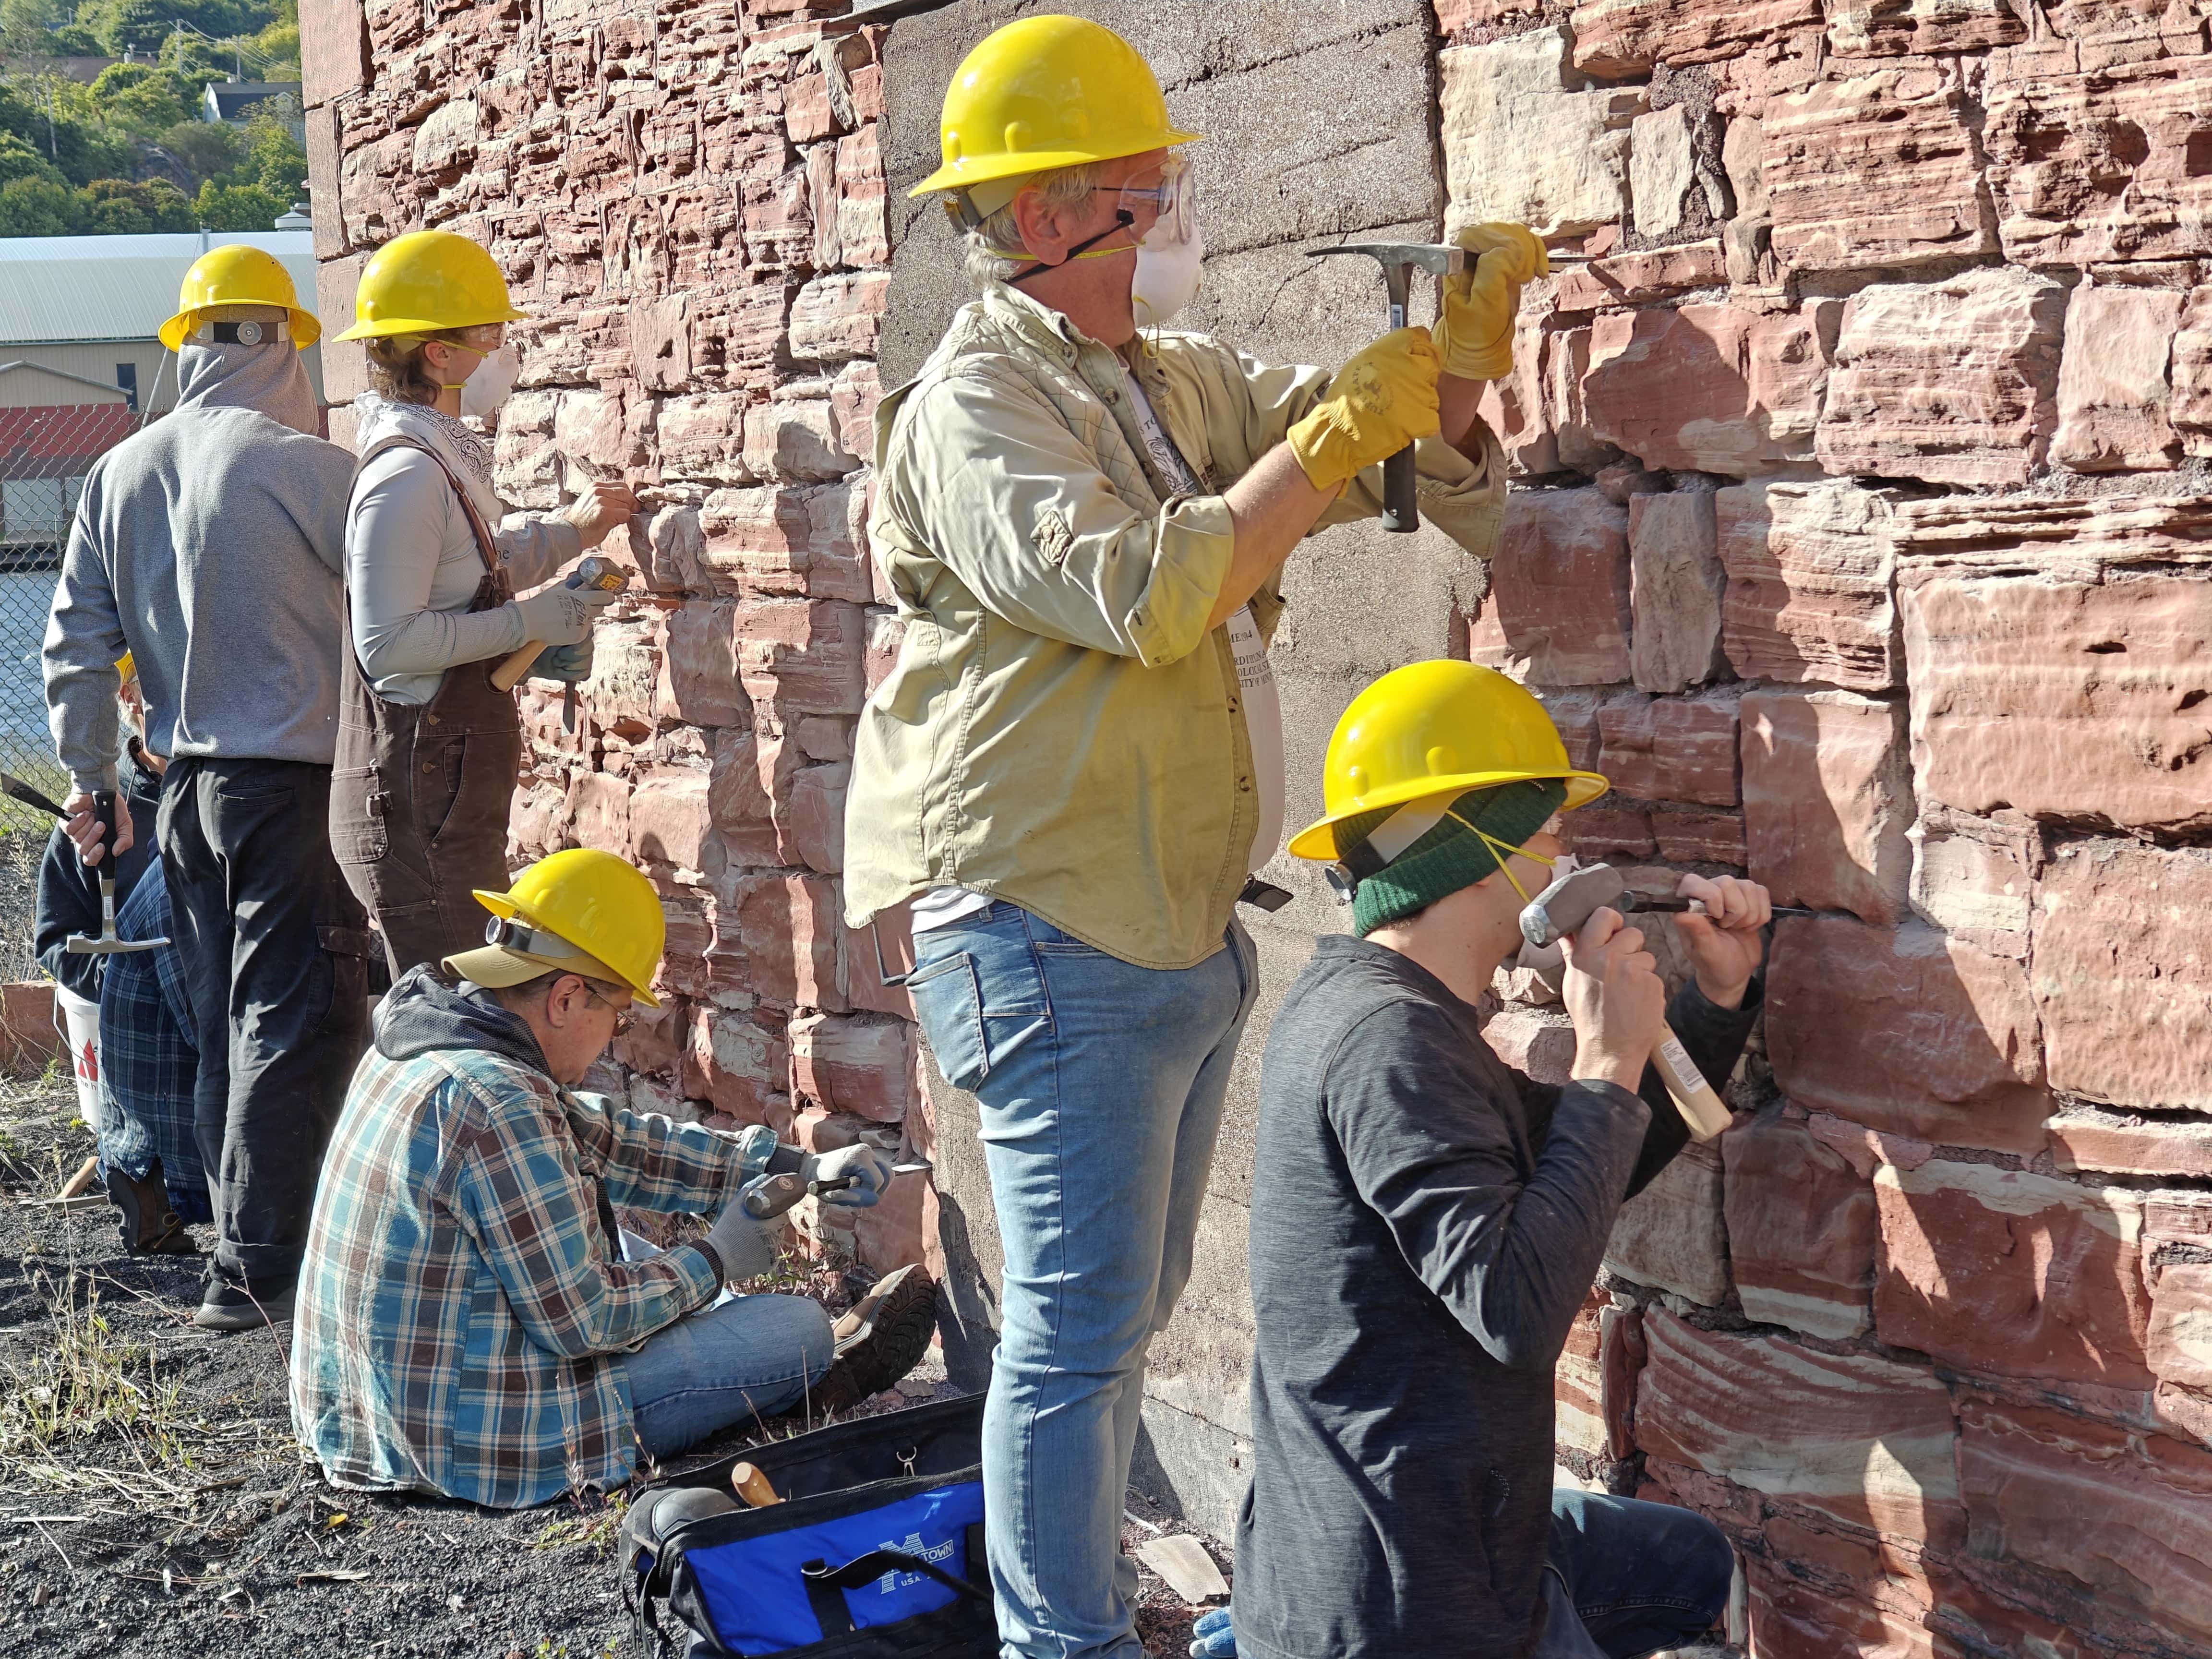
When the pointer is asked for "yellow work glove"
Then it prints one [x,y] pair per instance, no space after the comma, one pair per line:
[1474,333]
[1379,401]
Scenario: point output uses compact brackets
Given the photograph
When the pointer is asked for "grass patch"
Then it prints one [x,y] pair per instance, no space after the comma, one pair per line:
[90,1382]
[595,1526]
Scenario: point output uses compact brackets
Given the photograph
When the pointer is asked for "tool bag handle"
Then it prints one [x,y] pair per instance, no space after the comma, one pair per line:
[825,1584]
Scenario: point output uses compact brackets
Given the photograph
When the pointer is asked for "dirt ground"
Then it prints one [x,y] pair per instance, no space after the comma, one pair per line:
[154,1502]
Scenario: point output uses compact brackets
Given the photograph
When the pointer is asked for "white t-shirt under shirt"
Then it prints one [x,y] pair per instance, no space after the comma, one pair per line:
[1263,707]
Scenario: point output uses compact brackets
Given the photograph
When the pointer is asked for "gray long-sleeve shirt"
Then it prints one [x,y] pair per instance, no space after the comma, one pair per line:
[1425,1223]
[412,570]
[209,546]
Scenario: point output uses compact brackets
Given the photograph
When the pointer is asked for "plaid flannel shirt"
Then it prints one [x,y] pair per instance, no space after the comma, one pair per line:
[463,1311]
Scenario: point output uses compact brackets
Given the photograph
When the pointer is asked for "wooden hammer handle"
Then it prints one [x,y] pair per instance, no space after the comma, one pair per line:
[1699,1103]
[504,676]
[750,1484]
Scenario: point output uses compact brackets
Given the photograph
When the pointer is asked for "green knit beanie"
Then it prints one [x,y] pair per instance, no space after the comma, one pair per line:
[1450,855]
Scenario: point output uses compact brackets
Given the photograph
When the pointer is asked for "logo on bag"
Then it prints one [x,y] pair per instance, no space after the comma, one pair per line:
[936,1554]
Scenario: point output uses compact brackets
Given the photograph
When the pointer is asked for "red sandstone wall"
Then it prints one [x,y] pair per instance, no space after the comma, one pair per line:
[689,202]
[1858,549]
[1862,556]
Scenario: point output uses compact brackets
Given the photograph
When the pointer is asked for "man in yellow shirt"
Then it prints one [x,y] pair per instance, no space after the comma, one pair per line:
[1077,761]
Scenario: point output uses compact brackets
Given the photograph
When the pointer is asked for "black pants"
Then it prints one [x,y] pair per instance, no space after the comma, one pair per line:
[273,946]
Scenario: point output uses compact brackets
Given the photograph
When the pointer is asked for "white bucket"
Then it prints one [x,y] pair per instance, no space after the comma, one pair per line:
[79,1021]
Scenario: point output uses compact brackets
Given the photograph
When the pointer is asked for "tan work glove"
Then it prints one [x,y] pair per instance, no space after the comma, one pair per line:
[1379,401]
[1474,333]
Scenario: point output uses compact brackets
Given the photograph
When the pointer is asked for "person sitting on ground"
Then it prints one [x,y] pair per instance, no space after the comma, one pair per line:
[1427,1221]
[466,1324]
[149,1162]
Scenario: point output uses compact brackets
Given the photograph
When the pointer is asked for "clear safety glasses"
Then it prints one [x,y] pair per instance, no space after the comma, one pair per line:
[1167,210]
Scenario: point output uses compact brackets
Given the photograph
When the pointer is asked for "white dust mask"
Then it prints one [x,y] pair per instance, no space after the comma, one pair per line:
[490,382]
[1170,258]
[1167,275]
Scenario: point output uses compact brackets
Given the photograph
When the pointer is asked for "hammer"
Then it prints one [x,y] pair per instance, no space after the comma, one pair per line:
[1398,260]
[103,808]
[1563,908]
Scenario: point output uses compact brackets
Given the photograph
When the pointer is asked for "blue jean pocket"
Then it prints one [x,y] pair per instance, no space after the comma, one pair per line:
[949,1003]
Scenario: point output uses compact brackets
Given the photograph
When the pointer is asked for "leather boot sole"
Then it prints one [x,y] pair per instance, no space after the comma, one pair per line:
[881,1339]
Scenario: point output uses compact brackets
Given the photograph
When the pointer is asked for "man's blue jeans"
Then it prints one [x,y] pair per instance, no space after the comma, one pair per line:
[750,1357]
[1101,1086]
[1623,1578]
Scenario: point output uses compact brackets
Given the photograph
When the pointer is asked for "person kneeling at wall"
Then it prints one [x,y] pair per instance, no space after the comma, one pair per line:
[466,1324]
[1426,1221]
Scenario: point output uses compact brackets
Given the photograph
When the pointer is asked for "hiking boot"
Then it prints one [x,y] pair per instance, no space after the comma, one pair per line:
[881,1339]
[228,1307]
[144,1217]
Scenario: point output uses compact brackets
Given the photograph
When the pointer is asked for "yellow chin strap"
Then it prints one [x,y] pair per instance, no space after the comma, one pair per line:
[1504,852]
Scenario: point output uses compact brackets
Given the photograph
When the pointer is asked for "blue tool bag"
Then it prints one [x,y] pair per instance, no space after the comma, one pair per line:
[875,1553]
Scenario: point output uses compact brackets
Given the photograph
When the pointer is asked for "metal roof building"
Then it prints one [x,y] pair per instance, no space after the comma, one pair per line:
[78,313]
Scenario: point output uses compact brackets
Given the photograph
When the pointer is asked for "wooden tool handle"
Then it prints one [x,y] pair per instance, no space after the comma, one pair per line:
[1699,1103]
[750,1484]
[504,676]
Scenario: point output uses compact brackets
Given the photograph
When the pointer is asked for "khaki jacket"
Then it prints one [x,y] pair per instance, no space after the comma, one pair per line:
[1061,730]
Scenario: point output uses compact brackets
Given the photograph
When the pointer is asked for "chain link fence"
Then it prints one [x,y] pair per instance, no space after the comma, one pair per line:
[45,453]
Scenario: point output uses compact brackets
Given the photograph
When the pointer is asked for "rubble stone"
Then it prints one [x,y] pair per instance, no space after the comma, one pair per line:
[2099,165]
[1675,588]
[1874,170]
[1559,586]
[1671,1235]
[1801,1229]
[1952,382]
[2122,976]
[1866,1441]
[1519,146]
[2009,1274]
[1757,381]
[1670,748]
[1912,1032]
[1827,801]
[2114,398]
[1809,573]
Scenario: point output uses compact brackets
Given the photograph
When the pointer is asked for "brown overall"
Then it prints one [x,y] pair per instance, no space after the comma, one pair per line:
[420,794]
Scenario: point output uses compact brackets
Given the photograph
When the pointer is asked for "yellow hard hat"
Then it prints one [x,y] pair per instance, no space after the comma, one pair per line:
[604,910]
[1044,93]
[1430,729]
[426,282]
[237,275]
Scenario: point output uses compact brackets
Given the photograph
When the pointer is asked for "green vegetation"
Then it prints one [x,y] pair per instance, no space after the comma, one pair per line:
[129,153]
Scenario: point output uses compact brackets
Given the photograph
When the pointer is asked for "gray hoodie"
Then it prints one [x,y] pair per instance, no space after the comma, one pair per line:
[211,545]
